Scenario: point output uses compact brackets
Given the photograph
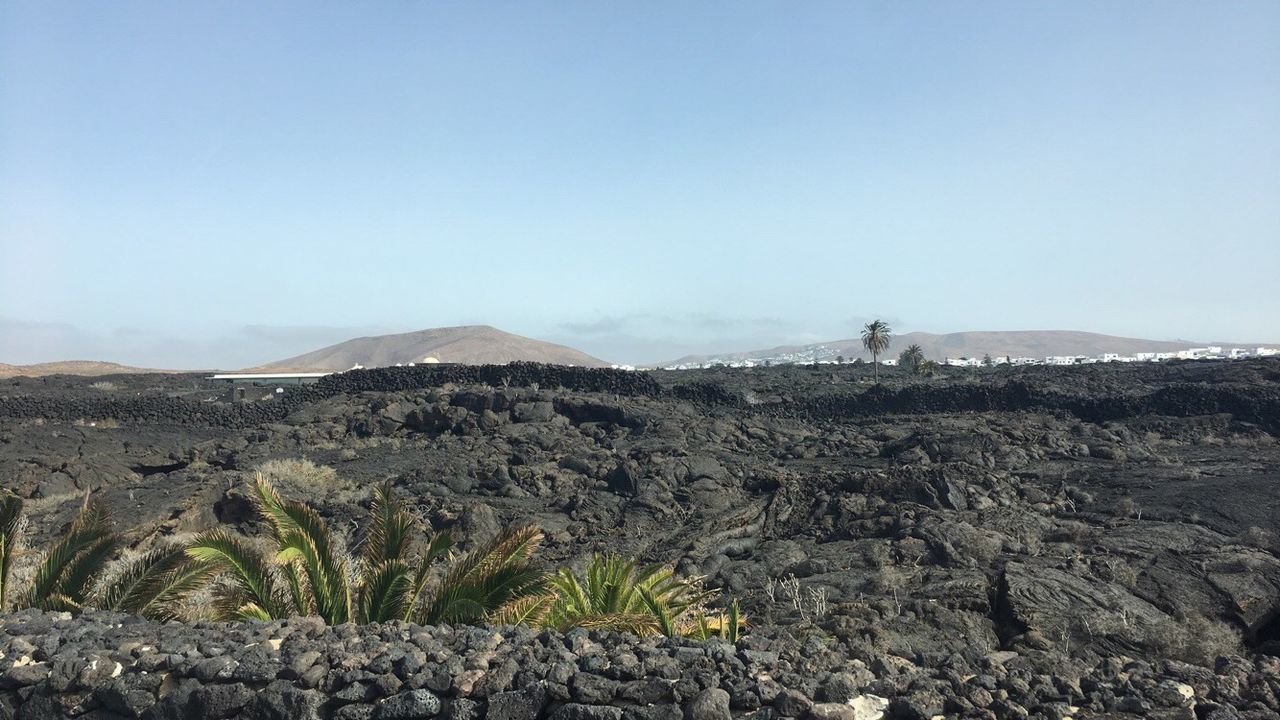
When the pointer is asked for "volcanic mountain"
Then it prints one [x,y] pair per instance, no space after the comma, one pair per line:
[469,344]
[71,367]
[1014,343]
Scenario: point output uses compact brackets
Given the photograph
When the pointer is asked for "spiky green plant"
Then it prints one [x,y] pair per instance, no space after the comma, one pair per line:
[875,338]
[10,516]
[154,585]
[308,575]
[726,625]
[74,572]
[486,580]
[619,595]
[65,577]
[254,591]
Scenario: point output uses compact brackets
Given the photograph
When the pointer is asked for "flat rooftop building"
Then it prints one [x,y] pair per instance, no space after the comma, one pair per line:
[264,379]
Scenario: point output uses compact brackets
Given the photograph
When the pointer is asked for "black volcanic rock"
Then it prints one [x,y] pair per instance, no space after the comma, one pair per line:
[1001,541]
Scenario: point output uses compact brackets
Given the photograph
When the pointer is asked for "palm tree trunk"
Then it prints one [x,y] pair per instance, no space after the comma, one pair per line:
[876,363]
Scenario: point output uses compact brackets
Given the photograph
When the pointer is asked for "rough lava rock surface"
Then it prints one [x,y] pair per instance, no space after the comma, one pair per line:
[1004,542]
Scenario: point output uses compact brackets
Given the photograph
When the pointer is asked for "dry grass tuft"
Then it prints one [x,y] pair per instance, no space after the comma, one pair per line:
[299,472]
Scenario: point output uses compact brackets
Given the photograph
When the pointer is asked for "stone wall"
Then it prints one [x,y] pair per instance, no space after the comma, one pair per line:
[107,666]
[1253,404]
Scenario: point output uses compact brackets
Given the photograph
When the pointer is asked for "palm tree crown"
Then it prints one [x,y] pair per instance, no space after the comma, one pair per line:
[911,358]
[875,338]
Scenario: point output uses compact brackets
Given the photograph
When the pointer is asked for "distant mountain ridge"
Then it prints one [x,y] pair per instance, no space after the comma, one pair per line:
[72,367]
[997,343]
[468,344]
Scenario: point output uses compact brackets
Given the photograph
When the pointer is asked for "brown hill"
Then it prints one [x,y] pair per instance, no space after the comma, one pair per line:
[470,345]
[72,367]
[1016,343]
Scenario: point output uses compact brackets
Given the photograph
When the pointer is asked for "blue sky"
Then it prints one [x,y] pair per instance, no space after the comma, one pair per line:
[220,184]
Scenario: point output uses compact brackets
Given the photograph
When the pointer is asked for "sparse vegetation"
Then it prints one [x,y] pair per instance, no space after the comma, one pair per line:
[300,472]
[1256,537]
[1201,640]
[1127,507]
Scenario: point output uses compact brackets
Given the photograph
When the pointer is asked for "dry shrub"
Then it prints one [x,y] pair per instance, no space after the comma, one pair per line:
[1071,531]
[1200,640]
[1126,507]
[1259,538]
[299,472]
[104,385]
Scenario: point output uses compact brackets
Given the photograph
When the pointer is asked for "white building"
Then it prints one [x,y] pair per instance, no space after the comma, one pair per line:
[1266,352]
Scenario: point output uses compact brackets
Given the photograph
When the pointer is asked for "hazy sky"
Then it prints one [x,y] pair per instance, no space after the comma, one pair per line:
[224,183]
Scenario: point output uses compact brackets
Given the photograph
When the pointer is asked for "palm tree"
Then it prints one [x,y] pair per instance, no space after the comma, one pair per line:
[875,338]
[911,357]
[155,585]
[65,577]
[308,575]
[73,574]
[620,595]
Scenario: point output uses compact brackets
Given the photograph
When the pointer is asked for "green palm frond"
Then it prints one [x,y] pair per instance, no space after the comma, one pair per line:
[155,584]
[310,545]
[384,592]
[75,560]
[255,593]
[733,623]
[315,573]
[389,528]
[616,588]
[529,610]
[471,598]
[272,507]
[571,597]
[85,568]
[660,610]
[438,546]
[486,578]
[10,517]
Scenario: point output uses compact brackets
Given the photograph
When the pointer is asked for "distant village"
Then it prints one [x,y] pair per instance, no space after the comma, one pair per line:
[823,355]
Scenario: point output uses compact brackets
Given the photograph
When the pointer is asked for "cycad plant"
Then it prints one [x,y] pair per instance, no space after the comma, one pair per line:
[875,338]
[309,575]
[620,595]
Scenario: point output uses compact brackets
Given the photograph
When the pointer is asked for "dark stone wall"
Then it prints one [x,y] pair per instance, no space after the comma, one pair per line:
[1254,403]
[107,666]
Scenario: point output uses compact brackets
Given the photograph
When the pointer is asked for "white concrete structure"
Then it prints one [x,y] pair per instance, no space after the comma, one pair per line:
[270,378]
